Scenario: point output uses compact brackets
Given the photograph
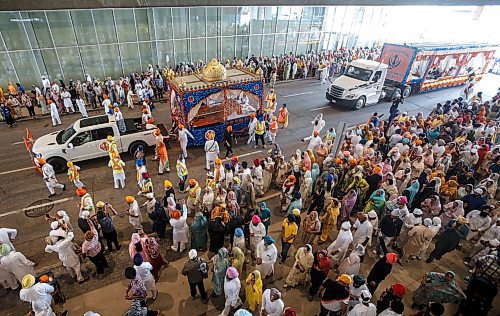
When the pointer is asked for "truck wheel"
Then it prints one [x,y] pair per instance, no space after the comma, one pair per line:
[406,92]
[58,163]
[396,93]
[359,103]
[134,145]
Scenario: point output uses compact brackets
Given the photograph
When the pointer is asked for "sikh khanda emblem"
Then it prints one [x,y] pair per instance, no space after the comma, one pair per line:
[394,61]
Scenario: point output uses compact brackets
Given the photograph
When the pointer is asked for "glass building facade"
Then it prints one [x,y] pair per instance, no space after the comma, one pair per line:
[66,44]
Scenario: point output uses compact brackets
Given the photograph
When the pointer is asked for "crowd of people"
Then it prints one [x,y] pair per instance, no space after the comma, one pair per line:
[57,97]
[407,188]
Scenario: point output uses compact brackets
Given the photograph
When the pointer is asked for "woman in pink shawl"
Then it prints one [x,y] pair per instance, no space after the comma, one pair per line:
[232,203]
[170,206]
[306,160]
[346,207]
[138,245]
[431,206]
[386,168]
[452,210]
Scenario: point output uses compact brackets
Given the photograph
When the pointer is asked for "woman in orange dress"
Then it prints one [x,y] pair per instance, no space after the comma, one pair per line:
[283,116]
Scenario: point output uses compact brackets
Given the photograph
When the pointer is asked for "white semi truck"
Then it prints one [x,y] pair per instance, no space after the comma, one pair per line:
[406,69]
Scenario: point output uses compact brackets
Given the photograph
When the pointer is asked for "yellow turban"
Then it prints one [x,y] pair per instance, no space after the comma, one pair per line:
[27,281]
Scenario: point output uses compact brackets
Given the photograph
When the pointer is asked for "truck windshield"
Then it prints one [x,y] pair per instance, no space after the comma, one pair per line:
[358,73]
[63,136]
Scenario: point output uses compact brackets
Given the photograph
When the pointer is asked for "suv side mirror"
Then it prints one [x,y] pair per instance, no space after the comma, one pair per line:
[70,146]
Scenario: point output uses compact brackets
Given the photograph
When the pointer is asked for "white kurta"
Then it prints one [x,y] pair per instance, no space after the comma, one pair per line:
[134,210]
[272,308]
[17,264]
[340,244]
[232,291]
[363,310]
[314,142]
[268,255]
[38,292]
[144,272]
[54,114]
[180,228]
[64,249]
[6,235]
[211,151]
[363,230]
[258,232]
[67,100]
[183,140]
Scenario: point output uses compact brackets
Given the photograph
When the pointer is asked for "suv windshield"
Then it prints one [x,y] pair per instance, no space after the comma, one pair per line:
[358,73]
[63,136]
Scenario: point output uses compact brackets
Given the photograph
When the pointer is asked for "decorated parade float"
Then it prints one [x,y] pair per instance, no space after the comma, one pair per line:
[214,99]
[427,67]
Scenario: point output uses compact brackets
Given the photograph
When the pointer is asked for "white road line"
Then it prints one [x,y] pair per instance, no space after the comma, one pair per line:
[35,206]
[17,170]
[244,155]
[321,108]
[296,94]
[17,143]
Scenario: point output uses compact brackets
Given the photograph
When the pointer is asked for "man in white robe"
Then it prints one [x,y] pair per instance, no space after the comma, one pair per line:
[183,139]
[267,254]
[338,248]
[49,176]
[211,149]
[15,262]
[64,248]
[232,286]
[54,113]
[362,230]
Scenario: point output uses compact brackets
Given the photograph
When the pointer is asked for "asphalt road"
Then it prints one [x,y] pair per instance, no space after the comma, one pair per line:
[21,186]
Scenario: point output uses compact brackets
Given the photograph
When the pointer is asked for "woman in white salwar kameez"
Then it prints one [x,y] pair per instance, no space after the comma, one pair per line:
[81,106]
[180,229]
[268,173]
[338,248]
[351,264]
[304,260]
[306,186]
[15,262]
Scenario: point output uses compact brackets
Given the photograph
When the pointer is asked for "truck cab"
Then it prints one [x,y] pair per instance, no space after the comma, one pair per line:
[86,139]
[362,83]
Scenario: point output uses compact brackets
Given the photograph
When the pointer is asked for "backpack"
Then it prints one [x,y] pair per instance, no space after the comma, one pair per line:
[203,267]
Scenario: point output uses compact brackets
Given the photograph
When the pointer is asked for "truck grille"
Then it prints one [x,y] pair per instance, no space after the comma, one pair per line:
[336,91]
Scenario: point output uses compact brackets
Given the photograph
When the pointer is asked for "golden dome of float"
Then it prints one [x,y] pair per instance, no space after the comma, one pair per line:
[214,71]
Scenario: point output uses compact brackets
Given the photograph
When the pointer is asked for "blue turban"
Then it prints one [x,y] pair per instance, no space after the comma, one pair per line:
[238,232]
[268,240]
[138,259]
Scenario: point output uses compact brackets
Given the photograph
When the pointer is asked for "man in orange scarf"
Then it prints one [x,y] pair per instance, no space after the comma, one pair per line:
[161,152]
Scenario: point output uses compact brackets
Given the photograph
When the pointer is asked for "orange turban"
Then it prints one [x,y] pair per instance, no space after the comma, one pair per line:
[192,182]
[377,170]
[81,191]
[176,214]
[129,199]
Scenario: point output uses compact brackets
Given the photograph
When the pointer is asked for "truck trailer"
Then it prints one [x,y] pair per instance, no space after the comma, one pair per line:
[402,70]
